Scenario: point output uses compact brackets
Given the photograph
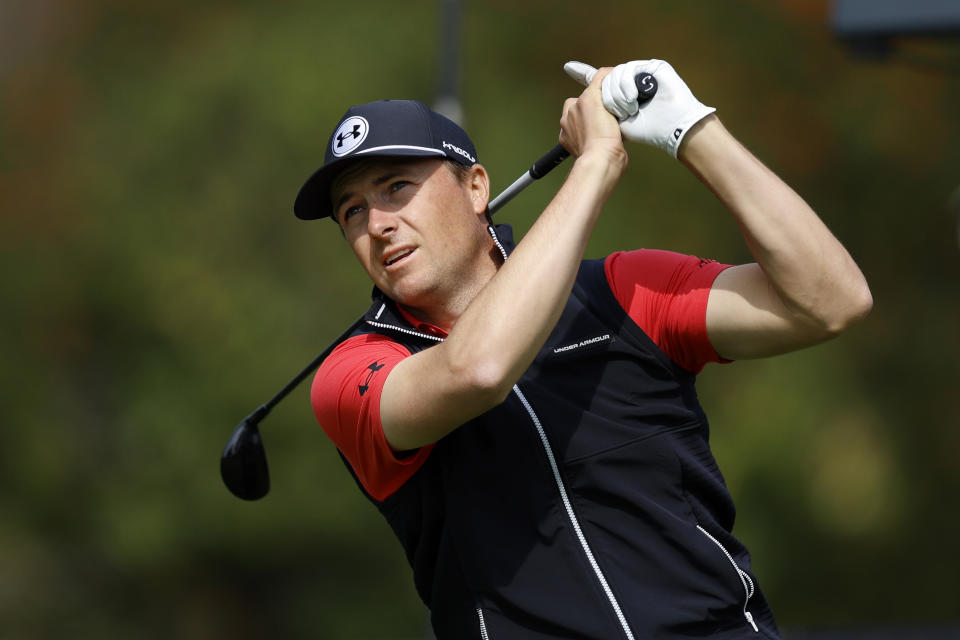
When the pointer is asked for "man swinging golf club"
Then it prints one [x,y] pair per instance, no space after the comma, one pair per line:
[528,424]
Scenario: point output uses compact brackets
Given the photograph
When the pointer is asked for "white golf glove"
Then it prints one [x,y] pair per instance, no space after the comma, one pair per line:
[662,121]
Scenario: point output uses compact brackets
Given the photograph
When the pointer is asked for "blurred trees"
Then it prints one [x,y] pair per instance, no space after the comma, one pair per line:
[157,288]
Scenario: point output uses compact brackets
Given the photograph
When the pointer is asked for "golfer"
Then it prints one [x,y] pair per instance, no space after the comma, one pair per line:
[525,419]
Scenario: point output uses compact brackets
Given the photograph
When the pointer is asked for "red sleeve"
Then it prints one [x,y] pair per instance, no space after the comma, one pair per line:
[666,294]
[346,401]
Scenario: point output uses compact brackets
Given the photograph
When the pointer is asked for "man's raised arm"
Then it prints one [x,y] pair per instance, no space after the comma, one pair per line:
[804,287]
[496,338]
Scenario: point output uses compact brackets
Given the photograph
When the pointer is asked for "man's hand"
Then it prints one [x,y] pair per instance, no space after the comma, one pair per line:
[586,126]
[664,120]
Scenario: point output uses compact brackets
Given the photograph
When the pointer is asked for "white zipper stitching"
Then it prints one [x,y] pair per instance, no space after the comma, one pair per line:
[381,325]
[483,625]
[496,241]
[573,517]
[744,578]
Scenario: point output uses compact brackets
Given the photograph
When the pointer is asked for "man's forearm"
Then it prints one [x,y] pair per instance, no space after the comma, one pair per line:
[513,315]
[812,273]
[498,335]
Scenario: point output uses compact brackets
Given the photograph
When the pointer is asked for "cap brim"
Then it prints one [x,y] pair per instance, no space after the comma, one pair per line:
[313,200]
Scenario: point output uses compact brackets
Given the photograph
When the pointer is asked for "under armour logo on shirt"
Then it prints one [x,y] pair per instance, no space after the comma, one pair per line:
[374,367]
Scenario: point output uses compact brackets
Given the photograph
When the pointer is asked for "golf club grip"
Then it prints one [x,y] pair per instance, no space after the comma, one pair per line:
[548,161]
[646,88]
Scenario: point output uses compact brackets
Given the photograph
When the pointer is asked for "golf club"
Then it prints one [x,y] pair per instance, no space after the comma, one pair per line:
[243,463]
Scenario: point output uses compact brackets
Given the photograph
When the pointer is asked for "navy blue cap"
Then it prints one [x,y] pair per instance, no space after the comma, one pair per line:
[386,128]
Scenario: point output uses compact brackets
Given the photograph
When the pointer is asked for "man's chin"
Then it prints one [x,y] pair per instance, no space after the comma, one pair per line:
[409,295]
[400,292]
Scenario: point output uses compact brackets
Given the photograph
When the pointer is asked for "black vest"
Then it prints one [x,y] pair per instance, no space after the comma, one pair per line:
[587,505]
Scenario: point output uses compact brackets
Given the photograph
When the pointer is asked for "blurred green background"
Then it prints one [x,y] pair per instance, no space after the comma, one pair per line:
[156,288]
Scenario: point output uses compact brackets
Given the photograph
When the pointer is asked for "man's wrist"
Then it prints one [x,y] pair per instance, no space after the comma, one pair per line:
[607,160]
[702,136]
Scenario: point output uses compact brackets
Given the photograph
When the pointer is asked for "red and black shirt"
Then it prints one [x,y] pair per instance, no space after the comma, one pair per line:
[588,504]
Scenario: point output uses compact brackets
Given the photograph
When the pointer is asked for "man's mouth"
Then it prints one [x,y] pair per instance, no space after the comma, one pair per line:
[394,258]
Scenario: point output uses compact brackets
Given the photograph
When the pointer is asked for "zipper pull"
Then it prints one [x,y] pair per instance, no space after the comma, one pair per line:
[749,617]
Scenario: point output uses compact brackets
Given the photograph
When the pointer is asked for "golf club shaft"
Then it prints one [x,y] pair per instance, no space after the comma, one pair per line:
[646,87]
[540,168]
[265,408]
[243,463]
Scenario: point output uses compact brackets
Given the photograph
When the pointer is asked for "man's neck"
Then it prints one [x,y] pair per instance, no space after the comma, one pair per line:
[444,315]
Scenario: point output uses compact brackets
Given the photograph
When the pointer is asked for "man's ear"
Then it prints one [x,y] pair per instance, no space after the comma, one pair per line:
[479,185]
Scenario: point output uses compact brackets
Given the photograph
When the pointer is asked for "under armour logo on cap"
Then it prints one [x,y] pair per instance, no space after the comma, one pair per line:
[349,135]
[382,129]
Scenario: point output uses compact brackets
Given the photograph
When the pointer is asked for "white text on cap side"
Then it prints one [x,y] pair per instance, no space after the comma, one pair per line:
[456,149]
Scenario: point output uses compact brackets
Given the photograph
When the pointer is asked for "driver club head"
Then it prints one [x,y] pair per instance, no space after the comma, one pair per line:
[243,464]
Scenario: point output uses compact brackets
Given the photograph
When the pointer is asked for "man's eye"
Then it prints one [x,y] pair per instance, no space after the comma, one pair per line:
[350,211]
[399,184]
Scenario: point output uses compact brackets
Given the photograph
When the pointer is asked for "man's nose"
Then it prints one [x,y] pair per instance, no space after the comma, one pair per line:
[381,221]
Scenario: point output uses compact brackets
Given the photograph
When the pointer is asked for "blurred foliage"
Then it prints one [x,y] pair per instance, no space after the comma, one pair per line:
[157,288]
